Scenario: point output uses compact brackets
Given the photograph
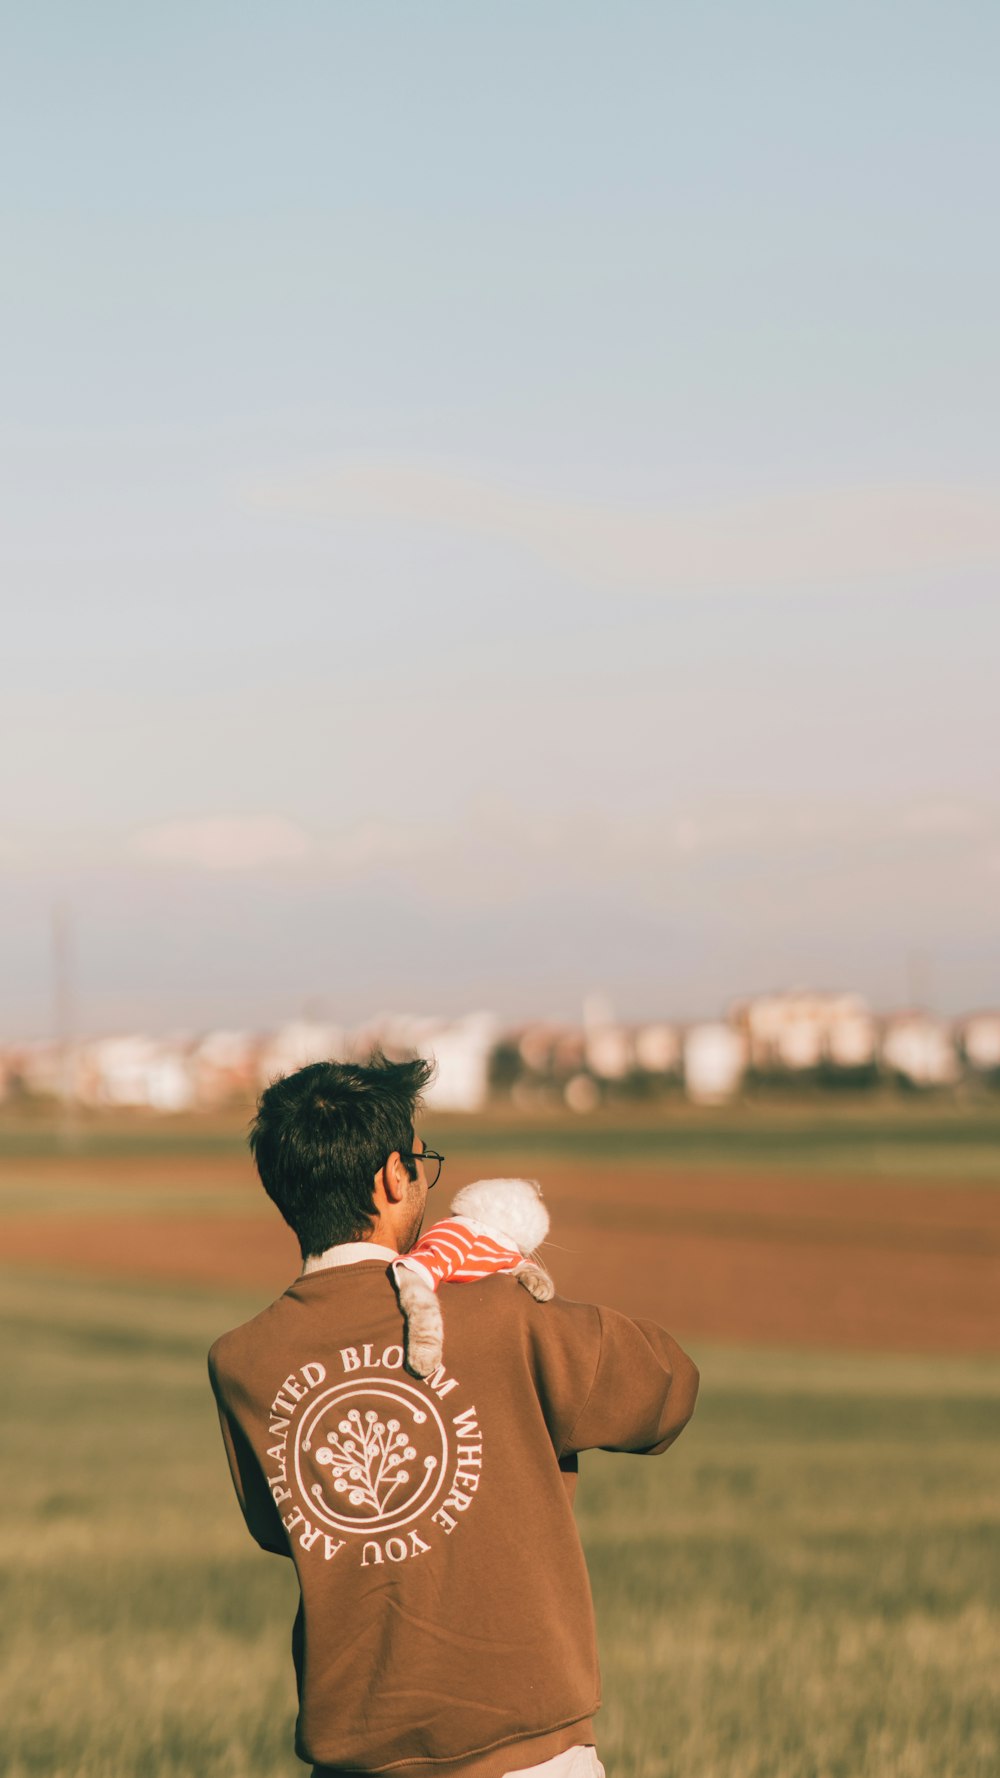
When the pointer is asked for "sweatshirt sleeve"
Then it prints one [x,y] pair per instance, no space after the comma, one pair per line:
[609,1383]
[256,1503]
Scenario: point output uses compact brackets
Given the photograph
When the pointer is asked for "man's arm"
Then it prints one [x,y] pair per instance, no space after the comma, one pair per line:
[256,1502]
[609,1383]
[643,1393]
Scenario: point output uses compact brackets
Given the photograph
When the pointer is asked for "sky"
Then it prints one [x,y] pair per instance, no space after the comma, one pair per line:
[500,503]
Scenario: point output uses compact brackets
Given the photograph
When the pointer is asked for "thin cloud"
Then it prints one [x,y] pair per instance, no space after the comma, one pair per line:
[374,846]
[224,843]
[496,850]
[851,534]
[947,818]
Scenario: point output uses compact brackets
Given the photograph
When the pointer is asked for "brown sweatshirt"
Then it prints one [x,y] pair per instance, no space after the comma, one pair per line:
[445,1610]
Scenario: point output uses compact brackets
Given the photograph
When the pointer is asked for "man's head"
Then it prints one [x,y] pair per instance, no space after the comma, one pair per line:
[334,1144]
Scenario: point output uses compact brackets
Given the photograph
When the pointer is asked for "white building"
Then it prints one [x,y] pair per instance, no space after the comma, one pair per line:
[657,1048]
[981,1041]
[608,1051]
[224,1066]
[852,1036]
[715,1059]
[607,1045]
[135,1071]
[462,1051]
[295,1045]
[920,1048]
[802,1030]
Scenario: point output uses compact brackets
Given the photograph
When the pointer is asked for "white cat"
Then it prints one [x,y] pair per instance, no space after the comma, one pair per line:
[495,1226]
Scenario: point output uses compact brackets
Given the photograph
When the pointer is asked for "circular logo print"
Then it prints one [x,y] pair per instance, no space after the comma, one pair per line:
[370,1455]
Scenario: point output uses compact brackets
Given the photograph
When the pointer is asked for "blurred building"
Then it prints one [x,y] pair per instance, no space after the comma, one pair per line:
[920,1049]
[824,1040]
[800,1031]
[295,1045]
[852,1037]
[608,1052]
[462,1051]
[657,1049]
[40,1068]
[607,1044]
[550,1051]
[225,1066]
[135,1071]
[979,1039]
[536,1046]
[715,1059]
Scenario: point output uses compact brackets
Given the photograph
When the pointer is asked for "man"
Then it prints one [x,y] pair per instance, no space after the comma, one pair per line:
[445,1624]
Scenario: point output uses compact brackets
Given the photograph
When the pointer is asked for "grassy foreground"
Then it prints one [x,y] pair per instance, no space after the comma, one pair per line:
[807,1587]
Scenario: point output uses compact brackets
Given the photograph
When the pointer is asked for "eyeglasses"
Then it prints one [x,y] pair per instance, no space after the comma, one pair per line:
[425,1155]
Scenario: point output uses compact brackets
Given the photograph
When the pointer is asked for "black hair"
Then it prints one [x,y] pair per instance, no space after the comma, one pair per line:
[321,1135]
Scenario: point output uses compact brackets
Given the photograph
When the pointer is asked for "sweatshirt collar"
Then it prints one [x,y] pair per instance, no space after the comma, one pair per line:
[348,1253]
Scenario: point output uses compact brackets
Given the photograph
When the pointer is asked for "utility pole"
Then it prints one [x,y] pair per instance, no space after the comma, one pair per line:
[63,1009]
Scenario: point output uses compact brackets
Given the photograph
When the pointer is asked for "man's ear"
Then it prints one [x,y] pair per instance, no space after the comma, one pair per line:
[395,1179]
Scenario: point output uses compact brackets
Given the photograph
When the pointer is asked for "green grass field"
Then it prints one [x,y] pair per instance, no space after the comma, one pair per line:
[914,1138]
[808,1586]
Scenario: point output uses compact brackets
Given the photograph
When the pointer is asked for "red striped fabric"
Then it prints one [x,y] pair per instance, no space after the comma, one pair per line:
[458,1249]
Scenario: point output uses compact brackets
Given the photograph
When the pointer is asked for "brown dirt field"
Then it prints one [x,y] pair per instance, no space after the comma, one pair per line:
[811,1261]
[136,1178]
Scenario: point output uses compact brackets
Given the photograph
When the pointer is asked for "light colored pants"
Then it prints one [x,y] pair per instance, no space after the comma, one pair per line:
[575,1762]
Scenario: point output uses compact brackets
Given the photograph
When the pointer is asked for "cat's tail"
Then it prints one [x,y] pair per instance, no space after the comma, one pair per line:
[424,1342]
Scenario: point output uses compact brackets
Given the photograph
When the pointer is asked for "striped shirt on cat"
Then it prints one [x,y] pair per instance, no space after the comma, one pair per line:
[461,1249]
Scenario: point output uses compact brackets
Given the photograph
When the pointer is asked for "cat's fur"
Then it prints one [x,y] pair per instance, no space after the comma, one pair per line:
[509,1208]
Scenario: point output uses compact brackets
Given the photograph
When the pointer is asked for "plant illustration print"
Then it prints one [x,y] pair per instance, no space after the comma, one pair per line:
[368,1452]
[365,1458]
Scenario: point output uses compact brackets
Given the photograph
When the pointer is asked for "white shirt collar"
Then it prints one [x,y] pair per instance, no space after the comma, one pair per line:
[349,1253]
